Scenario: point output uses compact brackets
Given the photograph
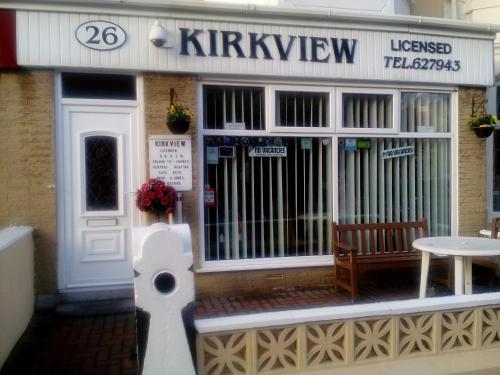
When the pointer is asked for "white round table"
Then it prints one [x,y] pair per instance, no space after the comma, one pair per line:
[463,249]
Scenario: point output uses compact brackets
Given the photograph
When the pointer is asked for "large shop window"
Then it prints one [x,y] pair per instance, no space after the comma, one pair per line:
[272,179]
[268,205]
[397,179]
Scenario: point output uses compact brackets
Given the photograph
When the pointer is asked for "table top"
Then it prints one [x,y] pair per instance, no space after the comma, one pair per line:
[455,245]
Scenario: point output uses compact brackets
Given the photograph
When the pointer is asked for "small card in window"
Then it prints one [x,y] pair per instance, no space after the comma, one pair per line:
[364,144]
[350,144]
[234,126]
[426,129]
[212,155]
[227,152]
[306,143]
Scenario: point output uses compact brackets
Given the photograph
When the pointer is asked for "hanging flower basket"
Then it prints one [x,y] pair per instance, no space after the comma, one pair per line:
[483,126]
[484,131]
[178,118]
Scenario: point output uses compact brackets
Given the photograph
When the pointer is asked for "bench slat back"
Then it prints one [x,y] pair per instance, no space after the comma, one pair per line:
[381,239]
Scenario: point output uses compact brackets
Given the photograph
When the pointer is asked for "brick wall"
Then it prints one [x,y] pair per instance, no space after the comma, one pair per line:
[262,281]
[156,101]
[472,211]
[27,165]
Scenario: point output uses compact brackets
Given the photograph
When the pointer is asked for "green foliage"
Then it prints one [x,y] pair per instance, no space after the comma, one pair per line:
[177,113]
[488,120]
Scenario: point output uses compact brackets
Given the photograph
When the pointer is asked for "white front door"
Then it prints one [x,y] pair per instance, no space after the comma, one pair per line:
[99,160]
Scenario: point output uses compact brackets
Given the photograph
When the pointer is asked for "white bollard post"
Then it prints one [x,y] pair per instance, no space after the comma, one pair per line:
[164,286]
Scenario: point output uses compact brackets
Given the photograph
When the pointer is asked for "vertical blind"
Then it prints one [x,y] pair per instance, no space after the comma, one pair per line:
[369,111]
[425,112]
[270,206]
[302,109]
[376,190]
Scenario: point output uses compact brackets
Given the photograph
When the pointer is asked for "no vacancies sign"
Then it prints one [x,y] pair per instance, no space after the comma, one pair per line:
[267,152]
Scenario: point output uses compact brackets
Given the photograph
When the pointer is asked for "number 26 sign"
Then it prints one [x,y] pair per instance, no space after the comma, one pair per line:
[101,35]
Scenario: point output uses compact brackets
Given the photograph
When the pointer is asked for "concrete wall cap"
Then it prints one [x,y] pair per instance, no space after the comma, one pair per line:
[10,235]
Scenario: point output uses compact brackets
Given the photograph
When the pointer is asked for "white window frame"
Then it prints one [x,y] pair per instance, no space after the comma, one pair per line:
[428,134]
[233,132]
[491,93]
[327,132]
[340,129]
[273,89]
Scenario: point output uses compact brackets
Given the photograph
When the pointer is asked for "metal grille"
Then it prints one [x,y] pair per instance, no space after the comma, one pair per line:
[302,109]
[231,107]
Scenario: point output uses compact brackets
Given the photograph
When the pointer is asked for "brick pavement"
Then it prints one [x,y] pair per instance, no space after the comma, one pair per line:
[106,344]
[63,345]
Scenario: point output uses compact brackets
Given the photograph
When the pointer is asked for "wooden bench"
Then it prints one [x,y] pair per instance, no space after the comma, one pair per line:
[361,247]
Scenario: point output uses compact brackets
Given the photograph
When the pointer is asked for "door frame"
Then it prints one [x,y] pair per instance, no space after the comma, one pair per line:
[138,171]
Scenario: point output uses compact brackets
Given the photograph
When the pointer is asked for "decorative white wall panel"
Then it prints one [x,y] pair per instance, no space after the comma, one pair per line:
[48,39]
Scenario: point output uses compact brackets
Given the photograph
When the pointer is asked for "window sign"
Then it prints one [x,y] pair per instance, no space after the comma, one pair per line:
[425,129]
[364,144]
[226,152]
[213,155]
[350,144]
[305,143]
[398,152]
[234,126]
[170,160]
[267,152]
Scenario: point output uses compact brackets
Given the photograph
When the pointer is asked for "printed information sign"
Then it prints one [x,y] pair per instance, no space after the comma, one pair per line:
[398,152]
[170,160]
[267,152]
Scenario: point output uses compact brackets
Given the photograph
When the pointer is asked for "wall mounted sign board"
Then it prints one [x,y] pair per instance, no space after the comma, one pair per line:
[285,48]
[170,160]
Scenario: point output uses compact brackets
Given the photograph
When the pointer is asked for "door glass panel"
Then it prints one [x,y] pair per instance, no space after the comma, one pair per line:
[101,173]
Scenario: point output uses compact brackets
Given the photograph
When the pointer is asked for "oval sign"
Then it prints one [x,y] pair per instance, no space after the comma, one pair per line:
[101,35]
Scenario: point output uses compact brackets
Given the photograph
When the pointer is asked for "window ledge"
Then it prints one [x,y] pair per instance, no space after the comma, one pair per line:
[265,264]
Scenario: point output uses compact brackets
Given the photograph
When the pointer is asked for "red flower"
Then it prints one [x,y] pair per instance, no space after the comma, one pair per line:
[156,196]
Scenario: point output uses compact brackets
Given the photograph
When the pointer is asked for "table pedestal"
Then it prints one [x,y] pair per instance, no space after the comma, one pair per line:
[463,267]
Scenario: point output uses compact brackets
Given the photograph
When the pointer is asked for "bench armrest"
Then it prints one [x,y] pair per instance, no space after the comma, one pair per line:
[347,249]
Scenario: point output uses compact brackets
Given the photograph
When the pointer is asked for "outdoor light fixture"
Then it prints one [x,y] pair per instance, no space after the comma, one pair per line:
[158,35]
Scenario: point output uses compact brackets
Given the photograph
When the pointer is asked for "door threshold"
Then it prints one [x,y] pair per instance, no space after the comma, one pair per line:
[86,294]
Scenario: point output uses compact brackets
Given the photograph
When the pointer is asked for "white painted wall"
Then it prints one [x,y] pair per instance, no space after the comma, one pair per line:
[17,296]
[485,11]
